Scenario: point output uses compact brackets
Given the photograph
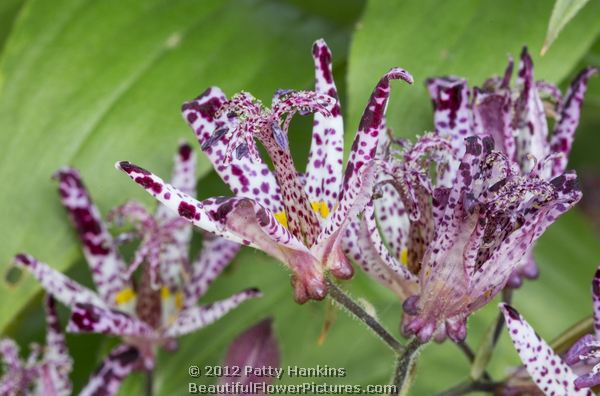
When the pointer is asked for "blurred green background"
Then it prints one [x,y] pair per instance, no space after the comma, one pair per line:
[87,83]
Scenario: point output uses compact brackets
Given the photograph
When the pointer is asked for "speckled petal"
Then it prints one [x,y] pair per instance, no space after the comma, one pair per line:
[64,289]
[246,177]
[257,225]
[363,244]
[452,116]
[536,218]
[325,160]
[492,116]
[596,301]
[450,97]
[366,141]
[9,353]
[564,131]
[174,253]
[100,251]
[530,118]
[415,189]
[194,318]
[389,210]
[11,380]
[56,351]
[329,248]
[186,206]
[107,378]
[546,368]
[356,183]
[216,254]
[240,220]
[88,318]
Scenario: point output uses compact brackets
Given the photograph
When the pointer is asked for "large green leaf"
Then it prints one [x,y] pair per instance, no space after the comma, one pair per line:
[87,83]
[8,12]
[465,38]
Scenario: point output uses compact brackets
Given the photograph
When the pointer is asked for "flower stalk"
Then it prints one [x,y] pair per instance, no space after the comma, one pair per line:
[343,299]
[149,385]
[404,365]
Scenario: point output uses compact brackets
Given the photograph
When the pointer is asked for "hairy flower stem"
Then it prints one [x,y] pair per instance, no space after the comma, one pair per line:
[149,385]
[339,296]
[404,366]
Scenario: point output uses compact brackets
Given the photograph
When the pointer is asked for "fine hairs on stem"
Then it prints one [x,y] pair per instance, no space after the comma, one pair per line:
[404,365]
[405,355]
[355,309]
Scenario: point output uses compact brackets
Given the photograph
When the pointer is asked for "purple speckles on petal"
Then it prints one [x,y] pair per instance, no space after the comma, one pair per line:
[186,210]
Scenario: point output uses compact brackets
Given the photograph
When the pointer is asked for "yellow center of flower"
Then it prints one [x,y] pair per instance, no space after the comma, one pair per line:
[321,208]
[179,300]
[404,256]
[165,294]
[124,296]
[281,218]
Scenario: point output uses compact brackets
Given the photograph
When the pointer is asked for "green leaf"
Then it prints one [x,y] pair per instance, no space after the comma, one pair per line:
[585,147]
[88,83]
[470,39]
[8,12]
[562,13]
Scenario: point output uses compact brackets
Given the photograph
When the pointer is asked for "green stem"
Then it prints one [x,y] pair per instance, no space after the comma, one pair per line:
[403,367]
[148,389]
[339,296]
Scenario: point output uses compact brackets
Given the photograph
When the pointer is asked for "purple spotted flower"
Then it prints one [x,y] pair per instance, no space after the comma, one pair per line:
[459,244]
[586,351]
[551,374]
[516,118]
[45,371]
[153,309]
[296,218]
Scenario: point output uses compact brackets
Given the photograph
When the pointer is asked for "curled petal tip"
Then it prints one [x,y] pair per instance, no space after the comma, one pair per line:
[128,168]
[319,43]
[397,73]
[254,292]
[510,312]
[22,259]
[64,171]
[185,150]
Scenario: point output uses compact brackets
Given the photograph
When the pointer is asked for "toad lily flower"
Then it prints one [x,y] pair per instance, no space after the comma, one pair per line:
[298,219]
[550,373]
[46,370]
[161,305]
[586,351]
[461,243]
[516,120]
